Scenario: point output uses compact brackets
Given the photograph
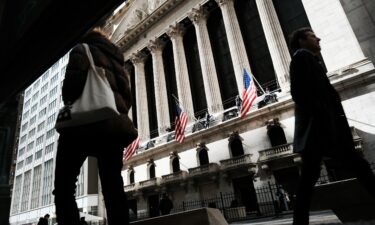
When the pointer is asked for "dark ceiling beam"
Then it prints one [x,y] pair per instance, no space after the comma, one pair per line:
[36,33]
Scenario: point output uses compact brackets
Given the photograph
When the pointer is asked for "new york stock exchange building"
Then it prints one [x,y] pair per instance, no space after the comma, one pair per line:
[196,52]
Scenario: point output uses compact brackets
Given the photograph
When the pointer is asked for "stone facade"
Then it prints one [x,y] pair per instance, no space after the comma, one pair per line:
[350,71]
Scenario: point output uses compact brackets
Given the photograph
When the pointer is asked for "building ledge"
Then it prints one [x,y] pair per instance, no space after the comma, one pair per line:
[237,162]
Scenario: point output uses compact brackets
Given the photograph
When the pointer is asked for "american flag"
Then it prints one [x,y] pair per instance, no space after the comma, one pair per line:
[249,94]
[181,121]
[129,151]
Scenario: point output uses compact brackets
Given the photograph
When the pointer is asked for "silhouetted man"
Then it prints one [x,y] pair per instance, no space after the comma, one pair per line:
[44,220]
[321,127]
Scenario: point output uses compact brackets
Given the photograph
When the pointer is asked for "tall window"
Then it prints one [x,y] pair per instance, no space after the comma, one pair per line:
[236,147]
[276,133]
[131,177]
[175,164]
[255,43]
[47,182]
[17,194]
[151,102]
[37,179]
[170,78]
[151,170]
[26,191]
[222,57]
[203,156]
[291,15]
[195,71]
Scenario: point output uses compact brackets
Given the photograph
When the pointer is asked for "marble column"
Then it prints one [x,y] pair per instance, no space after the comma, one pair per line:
[236,44]
[128,72]
[211,83]
[276,42]
[161,97]
[138,60]
[176,33]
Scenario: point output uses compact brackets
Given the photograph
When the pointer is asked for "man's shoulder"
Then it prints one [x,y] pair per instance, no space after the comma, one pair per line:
[302,56]
[302,53]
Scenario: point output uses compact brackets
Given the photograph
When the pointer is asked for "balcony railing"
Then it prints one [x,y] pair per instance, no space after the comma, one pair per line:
[286,149]
[174,177]
[205,169]
[199,124]
[243,160]
[276,152]
[149,183]
[130,187]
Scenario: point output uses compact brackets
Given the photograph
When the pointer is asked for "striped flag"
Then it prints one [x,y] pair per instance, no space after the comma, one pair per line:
[129,151]
[180,123]
[249,93]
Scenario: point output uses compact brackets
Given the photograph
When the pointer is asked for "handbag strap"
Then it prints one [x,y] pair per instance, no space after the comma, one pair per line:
[89,55]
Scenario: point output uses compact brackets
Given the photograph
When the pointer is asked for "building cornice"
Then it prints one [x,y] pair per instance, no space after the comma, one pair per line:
[132,35]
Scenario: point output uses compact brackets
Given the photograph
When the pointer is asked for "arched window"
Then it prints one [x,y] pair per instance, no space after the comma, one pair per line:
[236,147]
[203,156]
[152,170]
[276,133]
[175,164]
[235,144]
[131,177]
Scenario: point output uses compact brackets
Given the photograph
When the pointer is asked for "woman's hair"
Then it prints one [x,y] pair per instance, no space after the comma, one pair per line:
[296,36]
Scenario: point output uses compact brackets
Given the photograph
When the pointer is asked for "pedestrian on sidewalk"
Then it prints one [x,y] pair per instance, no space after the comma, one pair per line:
[105,140]
[321,127]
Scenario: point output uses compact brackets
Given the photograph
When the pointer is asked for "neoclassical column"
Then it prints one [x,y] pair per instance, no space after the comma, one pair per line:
[161,97]
[236,44]
[211,83]
[128,72]
[276,42]
[138,60]
[182,77]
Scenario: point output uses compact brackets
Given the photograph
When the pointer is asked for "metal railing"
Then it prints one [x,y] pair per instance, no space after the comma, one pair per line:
[268,200]
[232,206]
[231,112]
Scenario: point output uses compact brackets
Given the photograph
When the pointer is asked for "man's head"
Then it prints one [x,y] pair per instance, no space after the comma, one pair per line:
[46,216]
[305,38]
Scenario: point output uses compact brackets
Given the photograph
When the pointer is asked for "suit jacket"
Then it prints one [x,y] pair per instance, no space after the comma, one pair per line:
[320,121]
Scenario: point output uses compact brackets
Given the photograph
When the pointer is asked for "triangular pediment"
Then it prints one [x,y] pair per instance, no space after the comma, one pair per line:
[134,13]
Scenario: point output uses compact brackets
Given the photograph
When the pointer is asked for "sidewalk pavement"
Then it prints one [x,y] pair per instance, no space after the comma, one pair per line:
[316,218]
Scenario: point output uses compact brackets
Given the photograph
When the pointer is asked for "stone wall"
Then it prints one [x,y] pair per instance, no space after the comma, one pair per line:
[361,15]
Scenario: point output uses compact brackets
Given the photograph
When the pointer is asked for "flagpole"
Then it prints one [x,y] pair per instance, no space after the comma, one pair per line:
[175,98]
[258,83]
[251,74]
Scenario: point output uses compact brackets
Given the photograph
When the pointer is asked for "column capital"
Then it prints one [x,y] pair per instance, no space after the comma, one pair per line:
[197,15]
[223,2]
[156,45]
[138,57]
[177,30]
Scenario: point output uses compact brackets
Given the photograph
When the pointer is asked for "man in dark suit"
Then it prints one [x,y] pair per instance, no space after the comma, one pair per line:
[321,127]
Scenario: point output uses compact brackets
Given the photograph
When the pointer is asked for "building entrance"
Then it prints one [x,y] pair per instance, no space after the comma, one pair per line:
[245,191]
[153,205]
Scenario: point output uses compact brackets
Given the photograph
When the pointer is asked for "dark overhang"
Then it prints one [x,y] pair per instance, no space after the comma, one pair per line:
[36,33]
